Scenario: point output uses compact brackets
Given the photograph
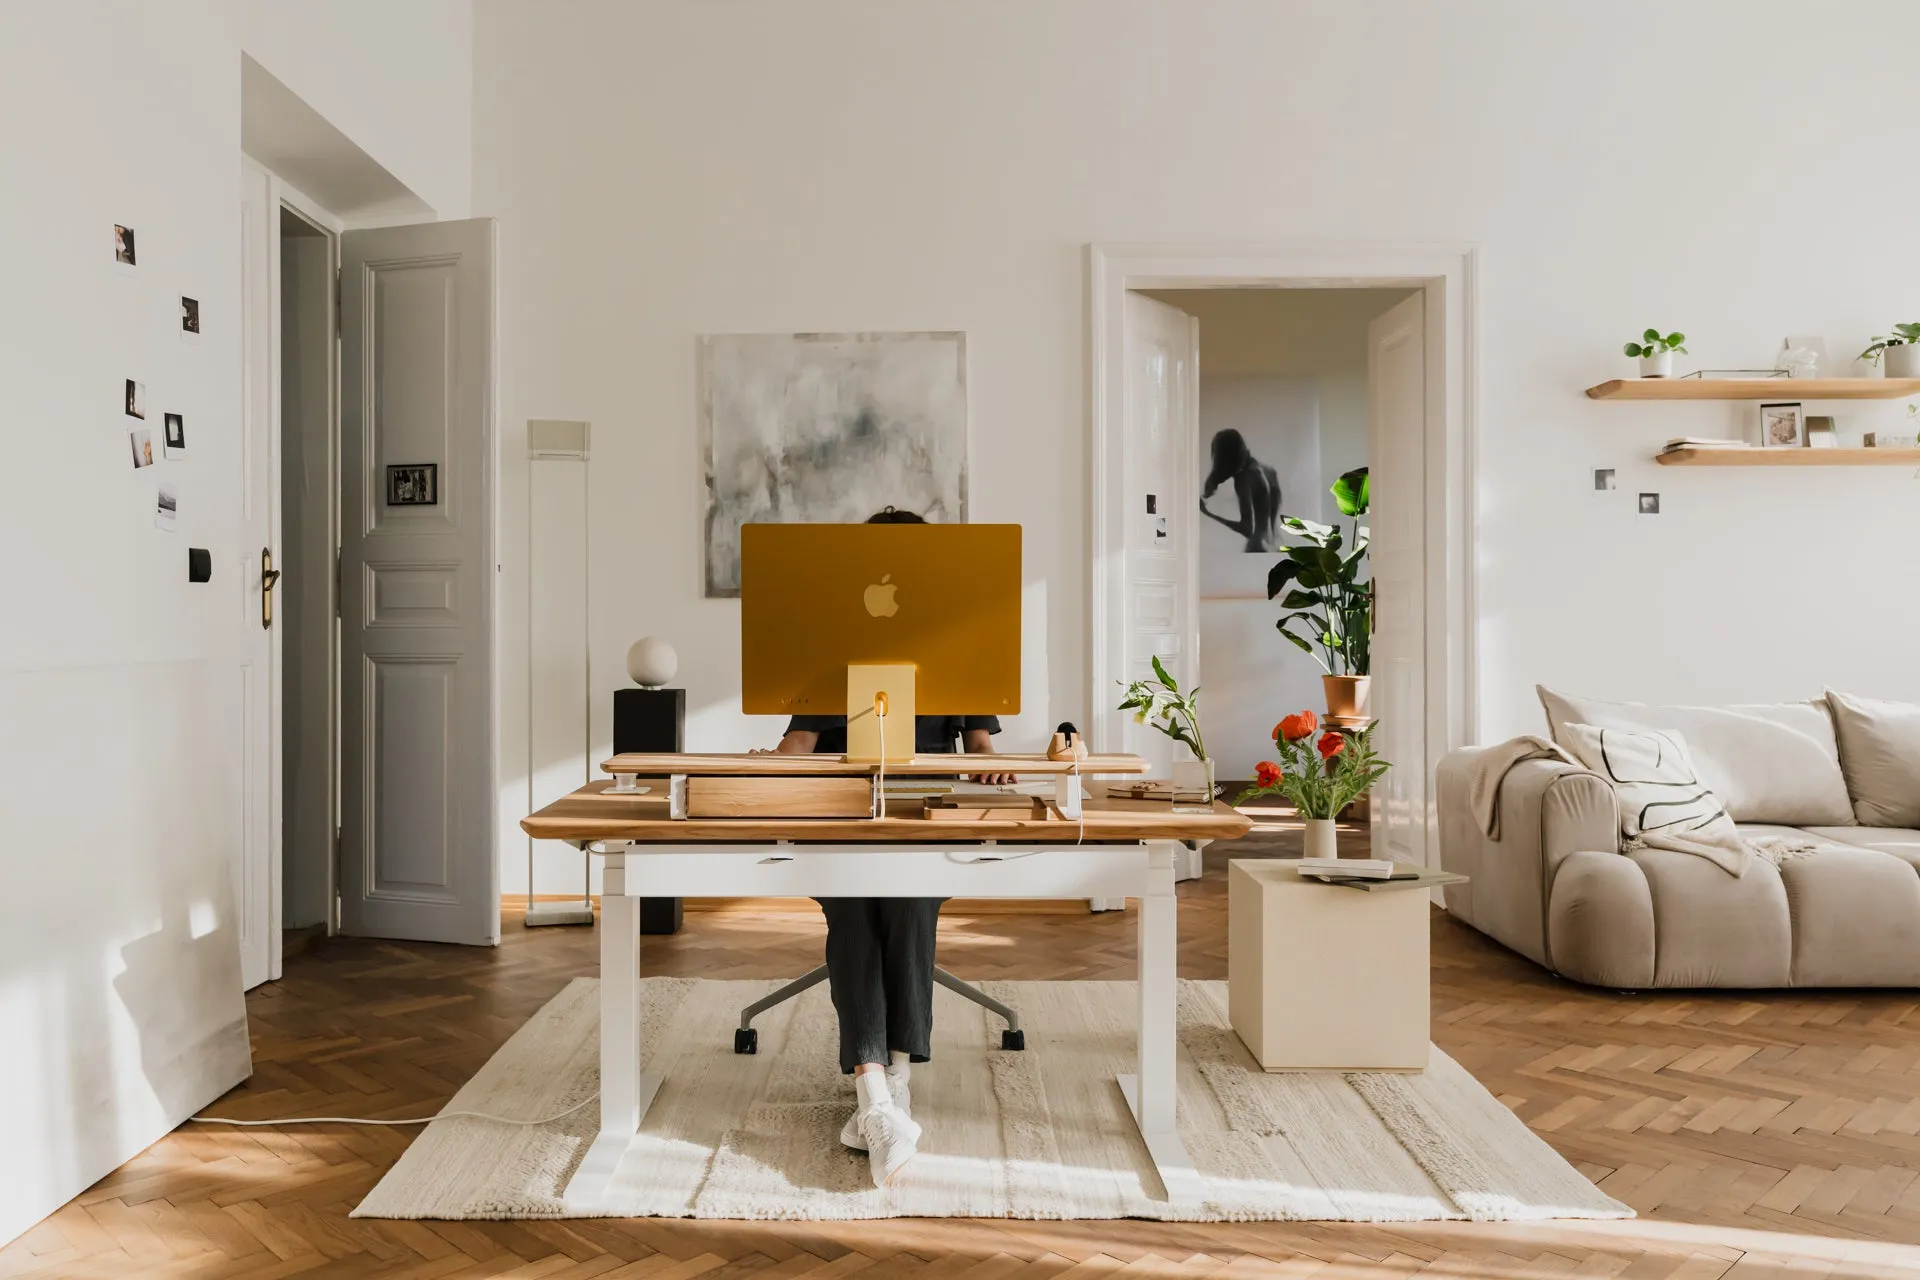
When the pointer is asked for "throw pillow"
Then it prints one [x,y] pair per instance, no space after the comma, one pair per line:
[1656,784]
[1774,763]
[1880,752]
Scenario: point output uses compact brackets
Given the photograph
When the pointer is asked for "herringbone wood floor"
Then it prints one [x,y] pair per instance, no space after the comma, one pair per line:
[1758,1135]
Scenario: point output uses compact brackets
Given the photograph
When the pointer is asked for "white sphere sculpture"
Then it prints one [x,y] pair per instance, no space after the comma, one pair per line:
[651,662]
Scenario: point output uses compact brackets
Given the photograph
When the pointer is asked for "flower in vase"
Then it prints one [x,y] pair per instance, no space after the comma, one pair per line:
[1295,727]
[1330,745]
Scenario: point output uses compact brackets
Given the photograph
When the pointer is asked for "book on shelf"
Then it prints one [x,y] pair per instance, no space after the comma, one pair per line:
[1704,442]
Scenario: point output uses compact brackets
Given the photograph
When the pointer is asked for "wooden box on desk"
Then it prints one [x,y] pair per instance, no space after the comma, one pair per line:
[1321,977]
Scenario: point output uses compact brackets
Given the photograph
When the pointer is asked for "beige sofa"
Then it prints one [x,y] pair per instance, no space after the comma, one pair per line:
[1557,887]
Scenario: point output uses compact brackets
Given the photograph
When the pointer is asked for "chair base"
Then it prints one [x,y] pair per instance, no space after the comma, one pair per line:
[747,1040]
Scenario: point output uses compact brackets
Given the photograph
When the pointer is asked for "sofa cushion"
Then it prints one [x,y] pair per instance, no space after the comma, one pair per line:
[1777,762]
[1856,918]
[1715,930]
[1880,755]
[1898,842]
[1655,783]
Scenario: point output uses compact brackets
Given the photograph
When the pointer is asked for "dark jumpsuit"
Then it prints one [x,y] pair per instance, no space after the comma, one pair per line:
[880,950]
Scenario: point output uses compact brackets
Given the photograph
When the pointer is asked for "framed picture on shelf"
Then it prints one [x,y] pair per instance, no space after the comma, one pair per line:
[1783,426]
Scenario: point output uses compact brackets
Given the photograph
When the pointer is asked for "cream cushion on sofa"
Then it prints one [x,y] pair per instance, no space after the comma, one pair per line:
[1773,762]
[1880,755]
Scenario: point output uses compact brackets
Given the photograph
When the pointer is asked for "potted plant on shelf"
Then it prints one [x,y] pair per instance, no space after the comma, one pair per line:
[1323,582]
[1160,703]
[1320,775]
[1655,353]
[1901,350]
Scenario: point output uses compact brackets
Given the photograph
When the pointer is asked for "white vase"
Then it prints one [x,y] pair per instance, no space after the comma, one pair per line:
[1903,361]
[1322,841]
[1657,366]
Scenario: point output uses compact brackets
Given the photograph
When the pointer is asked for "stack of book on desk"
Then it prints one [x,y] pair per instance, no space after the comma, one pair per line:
[1703,442]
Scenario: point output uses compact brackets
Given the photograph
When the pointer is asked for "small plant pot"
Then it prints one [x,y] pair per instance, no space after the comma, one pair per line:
[1903,361]
[1658,366]
[1348,697]
[1323,841]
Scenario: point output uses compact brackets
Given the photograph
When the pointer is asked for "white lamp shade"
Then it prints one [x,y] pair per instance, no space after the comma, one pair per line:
[651,662]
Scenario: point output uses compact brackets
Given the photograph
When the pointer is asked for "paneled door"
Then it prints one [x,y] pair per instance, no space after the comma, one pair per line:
[1396,451]
[417,846]
[1162,430]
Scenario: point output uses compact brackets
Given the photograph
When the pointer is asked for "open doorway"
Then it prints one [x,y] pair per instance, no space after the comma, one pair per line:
[309,522]
[1407,311]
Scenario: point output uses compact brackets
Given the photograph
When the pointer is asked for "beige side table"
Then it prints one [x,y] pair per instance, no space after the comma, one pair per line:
[1326,977]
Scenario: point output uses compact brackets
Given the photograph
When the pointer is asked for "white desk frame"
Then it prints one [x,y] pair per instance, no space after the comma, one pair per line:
[1137,869]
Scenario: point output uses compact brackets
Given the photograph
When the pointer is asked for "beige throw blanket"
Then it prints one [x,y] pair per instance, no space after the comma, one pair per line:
[1725,847]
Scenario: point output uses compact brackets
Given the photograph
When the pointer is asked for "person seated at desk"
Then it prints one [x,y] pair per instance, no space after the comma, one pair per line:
[880,961]
[880,951]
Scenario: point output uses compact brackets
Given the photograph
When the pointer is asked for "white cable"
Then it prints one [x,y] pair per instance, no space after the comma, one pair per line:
[441,1115]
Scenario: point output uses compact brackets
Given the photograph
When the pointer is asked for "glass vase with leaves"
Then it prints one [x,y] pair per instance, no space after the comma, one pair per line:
[1323,583]
[1161,704]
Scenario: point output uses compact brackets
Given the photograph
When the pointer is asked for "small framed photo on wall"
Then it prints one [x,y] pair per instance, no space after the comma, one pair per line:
[413,484]
[1783,426]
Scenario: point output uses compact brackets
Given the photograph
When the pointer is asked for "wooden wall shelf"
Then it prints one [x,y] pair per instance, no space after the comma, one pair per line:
[1783,389]
[1789,458]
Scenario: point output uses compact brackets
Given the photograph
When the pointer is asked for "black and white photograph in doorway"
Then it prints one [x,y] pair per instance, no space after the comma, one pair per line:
[166,508]
[806,428]
[1259,457]
[174,438]
[142,444]
[123,253]
[189,319]
[136,399]
[413,484]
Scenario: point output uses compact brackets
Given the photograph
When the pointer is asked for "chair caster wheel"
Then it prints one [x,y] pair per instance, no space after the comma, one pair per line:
[746,1040]
[1013,1039]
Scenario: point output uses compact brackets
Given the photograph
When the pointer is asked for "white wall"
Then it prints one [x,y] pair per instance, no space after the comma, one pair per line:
[675,168]
[119,733]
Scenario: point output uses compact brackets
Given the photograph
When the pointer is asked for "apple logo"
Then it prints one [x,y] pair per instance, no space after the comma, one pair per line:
[879,598]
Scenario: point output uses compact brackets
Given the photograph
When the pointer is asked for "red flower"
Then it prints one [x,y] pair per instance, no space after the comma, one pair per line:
[1266,773]
[1295,727]
[1330,745]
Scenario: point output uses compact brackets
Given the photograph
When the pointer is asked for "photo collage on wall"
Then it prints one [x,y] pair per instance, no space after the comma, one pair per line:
[143,416]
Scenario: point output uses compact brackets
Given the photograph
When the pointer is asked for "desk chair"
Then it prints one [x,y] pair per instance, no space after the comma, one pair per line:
[747,1040]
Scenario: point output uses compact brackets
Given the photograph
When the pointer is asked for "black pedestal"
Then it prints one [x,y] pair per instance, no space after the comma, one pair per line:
[652,721]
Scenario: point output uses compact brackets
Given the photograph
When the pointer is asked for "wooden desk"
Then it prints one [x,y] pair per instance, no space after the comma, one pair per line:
[1115,848]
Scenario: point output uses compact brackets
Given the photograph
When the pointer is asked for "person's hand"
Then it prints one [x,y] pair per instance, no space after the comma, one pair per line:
[995,779]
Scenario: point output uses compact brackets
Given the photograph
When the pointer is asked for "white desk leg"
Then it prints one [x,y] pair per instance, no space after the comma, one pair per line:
[624,1093]
[1150,1095]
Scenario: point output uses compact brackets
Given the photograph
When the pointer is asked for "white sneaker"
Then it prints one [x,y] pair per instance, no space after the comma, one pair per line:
[902,1096]
[890,1136]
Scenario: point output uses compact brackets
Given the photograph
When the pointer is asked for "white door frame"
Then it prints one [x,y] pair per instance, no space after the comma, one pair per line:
[261,361]
[1448,273]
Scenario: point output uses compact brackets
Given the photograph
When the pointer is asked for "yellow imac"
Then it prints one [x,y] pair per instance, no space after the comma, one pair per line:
[838,619]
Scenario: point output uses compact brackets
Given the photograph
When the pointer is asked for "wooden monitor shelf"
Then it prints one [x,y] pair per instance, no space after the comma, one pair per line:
[1789,458]
[1784,389]
[771,765]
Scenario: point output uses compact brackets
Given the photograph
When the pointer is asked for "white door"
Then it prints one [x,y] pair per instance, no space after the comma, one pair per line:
[1162,428]
[1396,453]
[417,846]
[259,845]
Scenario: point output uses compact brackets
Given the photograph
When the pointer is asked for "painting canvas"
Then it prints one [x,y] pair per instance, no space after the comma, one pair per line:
[1259,458]
[815,428]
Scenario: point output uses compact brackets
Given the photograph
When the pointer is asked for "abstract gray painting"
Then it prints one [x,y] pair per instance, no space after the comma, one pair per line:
[828,428]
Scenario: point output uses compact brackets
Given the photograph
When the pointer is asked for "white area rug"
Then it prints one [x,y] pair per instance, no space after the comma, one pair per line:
[1042,1133]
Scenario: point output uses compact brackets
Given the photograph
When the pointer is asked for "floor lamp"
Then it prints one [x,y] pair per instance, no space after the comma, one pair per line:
[550,441]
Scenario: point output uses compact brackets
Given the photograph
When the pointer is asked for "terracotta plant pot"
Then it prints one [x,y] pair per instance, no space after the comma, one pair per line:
[1347,697]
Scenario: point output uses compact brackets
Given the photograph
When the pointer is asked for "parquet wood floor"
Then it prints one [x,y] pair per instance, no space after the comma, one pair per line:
[1759,1135]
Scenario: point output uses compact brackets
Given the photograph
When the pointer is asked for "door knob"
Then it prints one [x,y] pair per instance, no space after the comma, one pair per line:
[268,576]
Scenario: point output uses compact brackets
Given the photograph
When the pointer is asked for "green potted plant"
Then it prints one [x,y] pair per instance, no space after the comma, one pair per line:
[1655,353]
[1160,703]
[1899,349]
[1319,775]
[1322,582]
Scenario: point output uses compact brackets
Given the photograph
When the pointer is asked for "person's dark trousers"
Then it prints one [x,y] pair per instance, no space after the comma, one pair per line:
[880,966]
